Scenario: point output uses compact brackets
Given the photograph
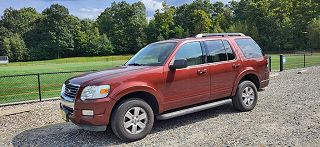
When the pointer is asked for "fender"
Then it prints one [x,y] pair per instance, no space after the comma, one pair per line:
[248,70]
[135,86]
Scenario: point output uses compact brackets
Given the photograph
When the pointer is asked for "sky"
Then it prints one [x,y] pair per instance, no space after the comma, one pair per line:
[87,8]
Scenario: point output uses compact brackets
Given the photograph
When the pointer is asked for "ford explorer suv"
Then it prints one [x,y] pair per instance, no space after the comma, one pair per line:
[167,79]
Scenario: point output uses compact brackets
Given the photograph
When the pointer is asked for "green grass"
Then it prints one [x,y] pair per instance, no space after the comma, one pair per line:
[22,88]
[65,64]
[294,61]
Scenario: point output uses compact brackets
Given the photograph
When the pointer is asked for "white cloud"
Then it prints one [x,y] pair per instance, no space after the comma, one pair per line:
[91,13]
[90,10]
[152,5]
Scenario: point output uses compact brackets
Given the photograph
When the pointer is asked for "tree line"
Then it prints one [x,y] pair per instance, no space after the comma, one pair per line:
[123,28]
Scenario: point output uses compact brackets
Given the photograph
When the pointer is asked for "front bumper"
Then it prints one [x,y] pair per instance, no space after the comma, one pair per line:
[97,122]
[264,83]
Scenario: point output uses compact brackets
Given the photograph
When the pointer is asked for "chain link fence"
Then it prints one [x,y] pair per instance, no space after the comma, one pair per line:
[41,86]
[25,87]
[296,60]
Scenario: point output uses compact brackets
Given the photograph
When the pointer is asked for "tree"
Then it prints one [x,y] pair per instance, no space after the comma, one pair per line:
[125,25]
[202,22]
[15,48]
[302,13]
[19,21]
[279,23]
[101,45]
[53,36]
[89,42]
[223,15]
[4,33]
[163,25]
[313,30]
[185,20]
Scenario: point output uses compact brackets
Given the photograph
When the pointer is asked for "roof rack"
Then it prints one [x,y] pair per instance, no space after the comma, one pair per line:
[219,34]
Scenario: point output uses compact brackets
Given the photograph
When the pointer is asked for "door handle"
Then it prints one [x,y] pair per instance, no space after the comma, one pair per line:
[201,72]
[235,66]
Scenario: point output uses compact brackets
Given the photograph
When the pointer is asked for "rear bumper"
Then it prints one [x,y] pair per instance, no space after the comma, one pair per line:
[101,113]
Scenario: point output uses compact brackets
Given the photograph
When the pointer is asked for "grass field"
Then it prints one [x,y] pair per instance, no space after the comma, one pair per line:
[64,64]
[24,88]
[294,61]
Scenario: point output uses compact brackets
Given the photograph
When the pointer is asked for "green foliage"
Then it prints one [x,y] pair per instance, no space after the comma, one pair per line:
[124,23]
[163,25]
[4,33]
[123,28]
[19,21]
[201,21]
[52,38]
[89,42]
[279,24]
[313,31]
[15,48]
[187,21]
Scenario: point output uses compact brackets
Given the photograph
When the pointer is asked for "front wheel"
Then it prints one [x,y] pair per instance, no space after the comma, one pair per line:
[132,120]
[246,96]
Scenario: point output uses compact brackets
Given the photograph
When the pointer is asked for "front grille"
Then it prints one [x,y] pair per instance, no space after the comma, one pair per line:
[71,90]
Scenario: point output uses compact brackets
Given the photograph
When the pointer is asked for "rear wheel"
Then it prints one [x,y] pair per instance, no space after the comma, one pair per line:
[246,96]
[132,120]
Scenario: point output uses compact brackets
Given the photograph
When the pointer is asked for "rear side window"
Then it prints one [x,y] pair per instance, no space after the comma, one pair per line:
[249,48]
[192,52]
[229,51]
[216,51]
[219,51]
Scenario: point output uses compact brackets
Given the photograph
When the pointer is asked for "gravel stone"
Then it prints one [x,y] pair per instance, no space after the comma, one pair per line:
[287,114]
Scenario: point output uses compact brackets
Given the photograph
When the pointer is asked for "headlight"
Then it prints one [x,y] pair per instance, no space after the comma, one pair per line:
[63,88]
[95,92]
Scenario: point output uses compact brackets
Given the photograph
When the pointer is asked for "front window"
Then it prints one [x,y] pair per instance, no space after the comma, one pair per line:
[152,55]
[192,52]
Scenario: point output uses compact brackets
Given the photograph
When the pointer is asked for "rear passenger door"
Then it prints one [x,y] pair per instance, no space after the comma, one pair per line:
[223,67]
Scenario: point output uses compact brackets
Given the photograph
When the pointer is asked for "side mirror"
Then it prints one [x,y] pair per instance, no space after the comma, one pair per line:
[177,64]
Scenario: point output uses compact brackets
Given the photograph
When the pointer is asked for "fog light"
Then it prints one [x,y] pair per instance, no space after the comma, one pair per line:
[87,112]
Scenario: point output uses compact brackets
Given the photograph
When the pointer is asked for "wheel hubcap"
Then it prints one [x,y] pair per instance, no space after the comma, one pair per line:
[248,96]
[135,120]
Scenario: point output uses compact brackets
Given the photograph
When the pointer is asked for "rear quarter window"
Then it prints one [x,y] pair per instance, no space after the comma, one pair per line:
[249,48]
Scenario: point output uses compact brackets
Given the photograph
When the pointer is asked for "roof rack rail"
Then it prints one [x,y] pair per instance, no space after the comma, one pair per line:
[219,34]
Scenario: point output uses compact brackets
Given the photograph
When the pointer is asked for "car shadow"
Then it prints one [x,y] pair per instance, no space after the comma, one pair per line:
[68,134]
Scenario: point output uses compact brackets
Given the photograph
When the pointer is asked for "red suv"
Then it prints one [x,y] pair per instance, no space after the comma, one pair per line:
[167,79]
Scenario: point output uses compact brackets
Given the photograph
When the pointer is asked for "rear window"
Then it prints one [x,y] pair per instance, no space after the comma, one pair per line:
[249,48]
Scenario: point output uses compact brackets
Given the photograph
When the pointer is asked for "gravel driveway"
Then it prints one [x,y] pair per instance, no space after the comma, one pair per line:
[287,114]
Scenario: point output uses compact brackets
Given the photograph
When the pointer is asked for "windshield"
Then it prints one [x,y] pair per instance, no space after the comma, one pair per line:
[152,55]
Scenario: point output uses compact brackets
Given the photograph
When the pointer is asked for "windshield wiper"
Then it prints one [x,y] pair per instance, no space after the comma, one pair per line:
[135,64]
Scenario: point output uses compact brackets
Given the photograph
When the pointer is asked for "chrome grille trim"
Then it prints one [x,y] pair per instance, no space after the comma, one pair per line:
[71,91]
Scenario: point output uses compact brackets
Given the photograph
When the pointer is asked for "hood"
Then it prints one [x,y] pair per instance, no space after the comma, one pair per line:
[107,74]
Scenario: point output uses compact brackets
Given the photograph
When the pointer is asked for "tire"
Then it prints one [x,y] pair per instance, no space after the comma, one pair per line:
[246,96]
[129,128]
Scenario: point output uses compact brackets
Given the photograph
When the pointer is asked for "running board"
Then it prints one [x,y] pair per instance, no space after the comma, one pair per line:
[193,109]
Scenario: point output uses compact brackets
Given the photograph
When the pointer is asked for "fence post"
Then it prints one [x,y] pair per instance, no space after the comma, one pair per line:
[304,59]
[281,62]
[39,87]
[270,64]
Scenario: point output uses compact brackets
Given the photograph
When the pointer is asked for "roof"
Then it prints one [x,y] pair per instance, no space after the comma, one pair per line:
[206,35]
